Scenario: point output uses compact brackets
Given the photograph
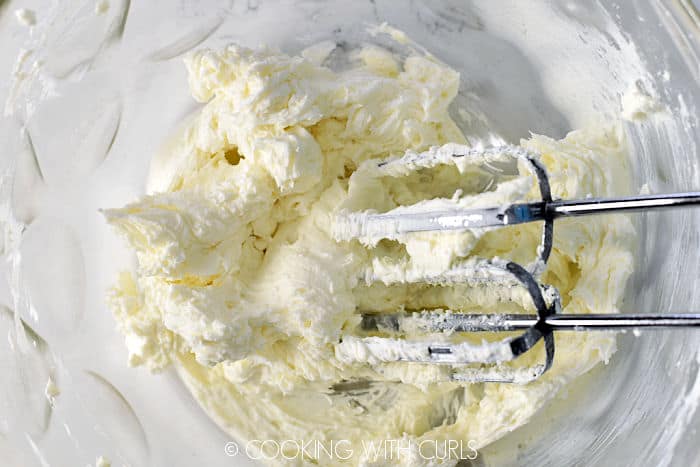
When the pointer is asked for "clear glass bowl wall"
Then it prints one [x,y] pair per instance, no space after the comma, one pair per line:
[109,87]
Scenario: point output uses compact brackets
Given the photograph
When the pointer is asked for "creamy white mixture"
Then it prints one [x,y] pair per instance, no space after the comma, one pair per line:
[25,17]
[242,284]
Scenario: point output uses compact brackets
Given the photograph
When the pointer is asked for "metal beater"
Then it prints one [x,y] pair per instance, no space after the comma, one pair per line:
[487,362]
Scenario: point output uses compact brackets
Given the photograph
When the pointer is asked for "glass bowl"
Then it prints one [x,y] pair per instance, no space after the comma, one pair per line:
[96,88]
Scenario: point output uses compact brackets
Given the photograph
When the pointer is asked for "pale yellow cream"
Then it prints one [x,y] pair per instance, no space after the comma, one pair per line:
[242,286]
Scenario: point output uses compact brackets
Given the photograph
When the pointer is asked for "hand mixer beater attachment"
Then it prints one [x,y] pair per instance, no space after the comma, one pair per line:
[381,336]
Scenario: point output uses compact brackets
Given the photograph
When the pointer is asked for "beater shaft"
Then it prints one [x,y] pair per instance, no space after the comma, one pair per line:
[406,222]
[439,321]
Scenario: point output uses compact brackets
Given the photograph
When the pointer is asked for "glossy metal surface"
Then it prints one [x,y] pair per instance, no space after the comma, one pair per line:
[525,212]
[460,322]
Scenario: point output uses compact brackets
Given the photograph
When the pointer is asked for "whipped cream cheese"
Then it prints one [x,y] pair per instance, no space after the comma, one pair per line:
[51,391]
[639,104]
[243,286]
[25,17]
[375,349]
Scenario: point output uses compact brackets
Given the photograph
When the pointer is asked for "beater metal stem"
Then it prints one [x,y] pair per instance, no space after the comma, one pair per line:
[585,207]
[460,322]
